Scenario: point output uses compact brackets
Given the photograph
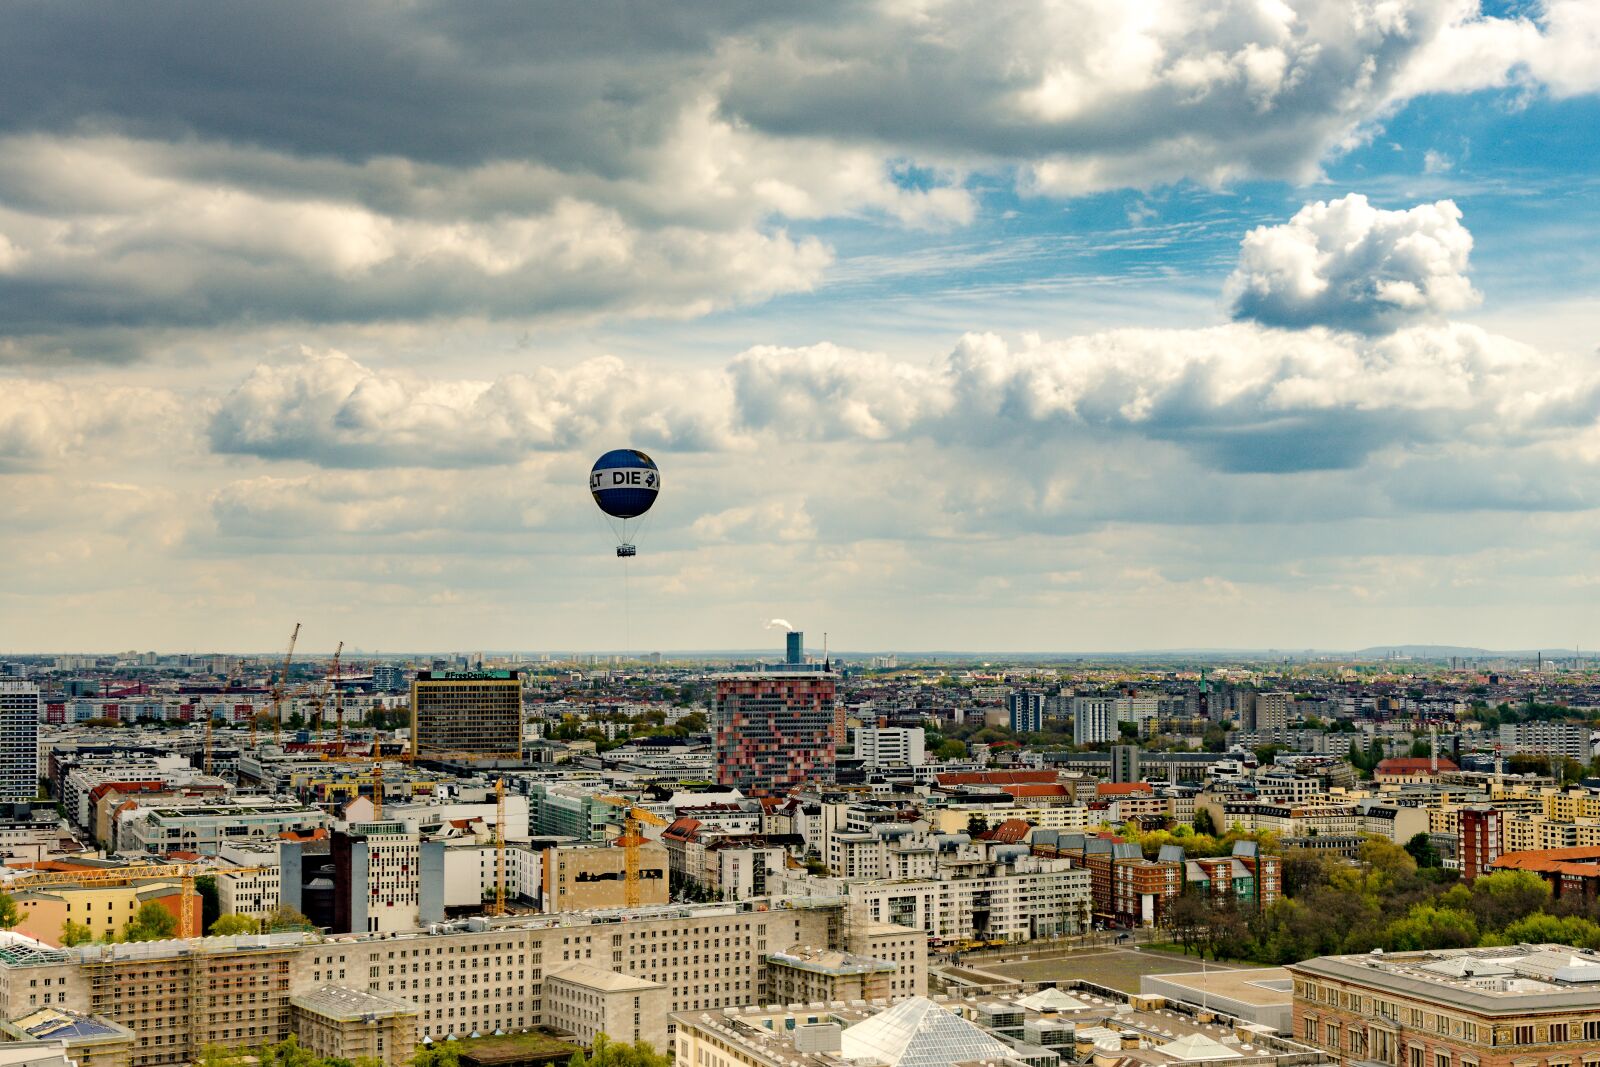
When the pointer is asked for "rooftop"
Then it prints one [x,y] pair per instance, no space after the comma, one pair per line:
[351,1005]
[597,978]
[1506,979]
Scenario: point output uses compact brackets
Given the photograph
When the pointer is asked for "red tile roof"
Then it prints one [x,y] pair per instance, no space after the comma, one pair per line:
[1122,789]
[1031,790]
[1413,765]
[1008,832]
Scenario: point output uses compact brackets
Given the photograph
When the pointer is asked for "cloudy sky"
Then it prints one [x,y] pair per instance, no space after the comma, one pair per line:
[1069,325]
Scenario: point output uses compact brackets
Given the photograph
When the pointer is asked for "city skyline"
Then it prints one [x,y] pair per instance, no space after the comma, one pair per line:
[1079,326]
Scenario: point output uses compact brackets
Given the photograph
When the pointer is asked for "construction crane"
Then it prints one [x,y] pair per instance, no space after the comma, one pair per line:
[630,841]
[185,873]
[277,693]
[499,847]
[338,699]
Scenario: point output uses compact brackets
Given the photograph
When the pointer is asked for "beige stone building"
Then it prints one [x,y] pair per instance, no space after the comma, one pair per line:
[1516,1006]
[337,1021]
[587,1001]
[586,877]
[475,976]
[804,975]
[88,1041]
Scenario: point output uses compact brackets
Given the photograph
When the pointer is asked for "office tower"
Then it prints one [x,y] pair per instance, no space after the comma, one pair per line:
[1026,710]
[794,649]
[775,730]
[467,712]
[388,678]
[20,709]
[1094,719]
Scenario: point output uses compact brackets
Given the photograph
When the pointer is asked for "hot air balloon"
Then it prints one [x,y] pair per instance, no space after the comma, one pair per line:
[624,482]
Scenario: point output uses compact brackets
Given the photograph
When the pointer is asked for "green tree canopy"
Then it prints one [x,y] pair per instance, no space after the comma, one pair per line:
[10,914]
[228,925]
[152,922]
[283,917]
[75,933]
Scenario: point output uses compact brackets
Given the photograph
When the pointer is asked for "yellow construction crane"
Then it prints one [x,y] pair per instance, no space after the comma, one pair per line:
[338,700]
[277,693]
[499,847]
[185,873]
[630,841]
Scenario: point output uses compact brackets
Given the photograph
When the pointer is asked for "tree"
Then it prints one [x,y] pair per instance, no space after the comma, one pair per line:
[229,925]
[607,1053]
[1541,929]
[1502,898]
[1426,926]
[1185,920]
[950,748]
[75,933]
[445,1054]
[10,914]
[977,824]
[1421,848]
[1204,823]
[152,922]
[283,917]
[210,900]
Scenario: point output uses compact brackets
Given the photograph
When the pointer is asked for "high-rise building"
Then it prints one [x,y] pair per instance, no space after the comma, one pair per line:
[1271,711]
[1479,839]
[20,709]
[775,729]
[794,648]
[467,712]
[1094,719]
[388,677]
[1026,711]
[891,746]
[1125,764]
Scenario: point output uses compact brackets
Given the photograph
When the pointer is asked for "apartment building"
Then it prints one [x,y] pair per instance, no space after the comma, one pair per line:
[1021,900]
[479,975]
[891,850]
[1560,739]
[20,707]
[1517,1006]
[1480,839]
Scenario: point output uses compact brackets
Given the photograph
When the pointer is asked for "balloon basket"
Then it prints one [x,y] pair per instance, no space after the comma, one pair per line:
[625,551]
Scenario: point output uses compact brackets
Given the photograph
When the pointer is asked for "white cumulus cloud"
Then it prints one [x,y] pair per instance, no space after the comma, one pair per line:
[1348,265]
[328,409]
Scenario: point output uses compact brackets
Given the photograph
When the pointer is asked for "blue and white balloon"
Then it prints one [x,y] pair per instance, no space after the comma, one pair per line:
[624,483]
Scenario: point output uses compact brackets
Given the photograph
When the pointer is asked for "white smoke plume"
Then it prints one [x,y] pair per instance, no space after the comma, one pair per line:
[776,624]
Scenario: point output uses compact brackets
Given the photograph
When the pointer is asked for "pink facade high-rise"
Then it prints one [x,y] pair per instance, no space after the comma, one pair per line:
[776,729]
